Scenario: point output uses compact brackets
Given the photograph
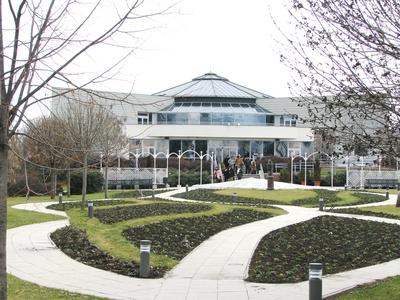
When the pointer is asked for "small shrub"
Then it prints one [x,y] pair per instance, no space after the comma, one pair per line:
[94,182]
[190,177]
[76,204]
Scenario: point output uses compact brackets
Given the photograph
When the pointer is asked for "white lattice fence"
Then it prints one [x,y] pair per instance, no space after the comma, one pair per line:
[358,175]
[125,174]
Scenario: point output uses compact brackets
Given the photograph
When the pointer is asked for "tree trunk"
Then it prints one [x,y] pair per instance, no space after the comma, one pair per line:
[53,185]
[3,198]
[69,182]
[106,180]
[84,181]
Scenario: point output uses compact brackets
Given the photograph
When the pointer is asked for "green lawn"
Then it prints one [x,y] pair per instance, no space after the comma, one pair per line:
[388,209]
[277,195]
[388,289]
[23,290]
[108,237]
[383,191]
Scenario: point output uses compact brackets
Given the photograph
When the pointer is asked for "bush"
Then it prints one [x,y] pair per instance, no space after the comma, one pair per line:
[190,177]
[36,185]
[94,182]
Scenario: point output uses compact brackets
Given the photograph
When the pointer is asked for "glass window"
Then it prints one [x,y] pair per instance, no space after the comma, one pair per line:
[228,118]
[225,105]
[269,119]
[216,105]
[268,148]
[174,146]
[205,118]
[181,118]
[161,118]
[187,104]
[216,118]
[244,148]
[206,104]
[188,145]
[196,104]
[281,149]
[256,148]
[235,105]
[201,145]
[171,118]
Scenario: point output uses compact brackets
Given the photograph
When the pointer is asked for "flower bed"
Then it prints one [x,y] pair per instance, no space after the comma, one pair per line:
[339,243]
[118,214]
[76,204]
[138,193]
[357,211]
[75,244]
[330,198]
[176,238]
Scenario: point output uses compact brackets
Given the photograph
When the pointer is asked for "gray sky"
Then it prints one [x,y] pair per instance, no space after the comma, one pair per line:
[228,37]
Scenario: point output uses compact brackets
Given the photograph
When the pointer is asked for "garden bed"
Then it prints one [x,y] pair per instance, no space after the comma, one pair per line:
[341,244]
[176,238]
[76,204]
[138,193]
[75,244]
[118,214]
[330,197]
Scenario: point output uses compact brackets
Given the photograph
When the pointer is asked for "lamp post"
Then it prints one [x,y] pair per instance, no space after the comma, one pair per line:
[315,281]
[201,167]
[144,269]
[179,168]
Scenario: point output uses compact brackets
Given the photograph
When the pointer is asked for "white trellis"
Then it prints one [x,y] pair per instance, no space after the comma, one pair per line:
[306,157]
[179,155]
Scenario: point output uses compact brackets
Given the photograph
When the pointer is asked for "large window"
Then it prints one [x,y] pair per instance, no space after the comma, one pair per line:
[244,148]
[256,148]
[144,118]
[175,146]
[268,148]
[201,145]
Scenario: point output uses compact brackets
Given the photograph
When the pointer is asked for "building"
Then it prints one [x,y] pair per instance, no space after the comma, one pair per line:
[208,114]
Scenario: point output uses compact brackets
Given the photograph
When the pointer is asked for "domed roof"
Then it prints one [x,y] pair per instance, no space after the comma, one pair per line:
[211,85]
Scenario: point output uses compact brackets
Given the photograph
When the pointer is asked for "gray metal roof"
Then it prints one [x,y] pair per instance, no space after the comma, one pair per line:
[210,85]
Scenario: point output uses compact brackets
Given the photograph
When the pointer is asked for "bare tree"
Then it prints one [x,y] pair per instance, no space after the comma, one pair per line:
[345,57]
[41,43]
[45,144]
[91,128]
[111,141]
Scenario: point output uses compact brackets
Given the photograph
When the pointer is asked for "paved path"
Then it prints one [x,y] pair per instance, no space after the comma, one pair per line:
[214,270]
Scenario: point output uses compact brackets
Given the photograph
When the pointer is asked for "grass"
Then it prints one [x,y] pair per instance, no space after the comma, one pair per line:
[109,238]
[23,290]
[387,211]
[388,289]
[277,195]
[18,217]
[19,289]
[305,198]
[383,191]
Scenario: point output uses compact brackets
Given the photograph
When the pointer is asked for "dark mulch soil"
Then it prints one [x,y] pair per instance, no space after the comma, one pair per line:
[76,204]
[176,238]
[339,243]
[330,198]
[75,244]
[138,193]
[118,214]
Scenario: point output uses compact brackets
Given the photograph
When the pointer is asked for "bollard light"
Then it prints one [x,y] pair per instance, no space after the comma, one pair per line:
[144,269]
[187,188]
[234,197]
[60,198]
[315,281]
[152,194]
[387,194]
[90,209]
[321,204]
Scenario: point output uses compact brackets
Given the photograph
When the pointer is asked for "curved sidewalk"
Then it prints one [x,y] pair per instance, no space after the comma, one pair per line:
[214,270]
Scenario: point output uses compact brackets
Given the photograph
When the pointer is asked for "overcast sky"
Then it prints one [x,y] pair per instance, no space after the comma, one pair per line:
[228,37]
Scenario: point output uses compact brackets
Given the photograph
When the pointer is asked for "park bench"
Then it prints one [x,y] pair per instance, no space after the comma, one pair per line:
[381,183]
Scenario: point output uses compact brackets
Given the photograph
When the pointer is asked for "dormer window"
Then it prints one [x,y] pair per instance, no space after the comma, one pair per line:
[144,118]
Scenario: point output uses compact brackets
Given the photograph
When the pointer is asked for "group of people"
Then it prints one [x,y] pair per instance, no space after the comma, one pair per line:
[234,167]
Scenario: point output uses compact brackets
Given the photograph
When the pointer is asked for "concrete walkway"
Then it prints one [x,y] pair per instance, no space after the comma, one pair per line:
[214,270]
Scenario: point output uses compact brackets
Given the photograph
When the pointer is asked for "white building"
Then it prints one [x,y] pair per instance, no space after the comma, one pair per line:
[208,114]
